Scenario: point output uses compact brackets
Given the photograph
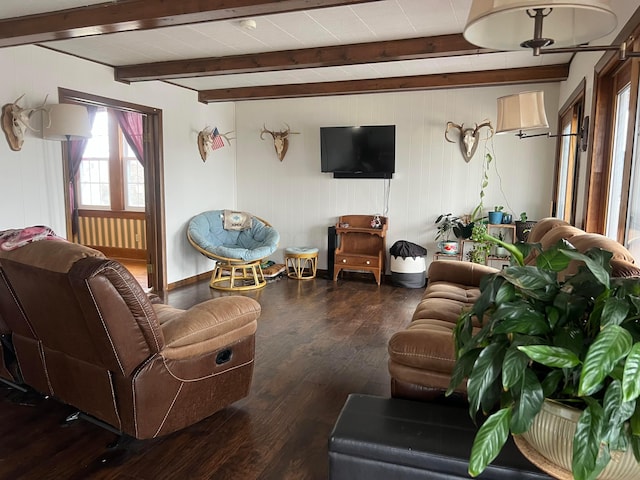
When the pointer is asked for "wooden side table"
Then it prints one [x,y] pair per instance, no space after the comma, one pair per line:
[361,248]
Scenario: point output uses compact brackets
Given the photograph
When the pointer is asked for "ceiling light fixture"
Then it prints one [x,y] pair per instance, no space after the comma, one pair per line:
[248,24]
[502,25]
[525,111]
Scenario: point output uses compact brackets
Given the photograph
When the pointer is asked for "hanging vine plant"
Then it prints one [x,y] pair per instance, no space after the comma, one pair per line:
[478,212]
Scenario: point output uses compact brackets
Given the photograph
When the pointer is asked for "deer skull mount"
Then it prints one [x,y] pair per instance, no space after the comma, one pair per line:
[15,121]
[280,140]
[469,137]
[206,139]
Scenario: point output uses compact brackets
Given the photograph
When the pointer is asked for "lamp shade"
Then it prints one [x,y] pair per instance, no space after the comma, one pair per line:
[505,24]
[522,111]
[66,122]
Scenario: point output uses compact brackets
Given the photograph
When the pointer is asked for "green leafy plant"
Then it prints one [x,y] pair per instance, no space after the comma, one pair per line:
[445,225]
[481,244]
[464,226]
[523,216]
[498,208]
[575,340]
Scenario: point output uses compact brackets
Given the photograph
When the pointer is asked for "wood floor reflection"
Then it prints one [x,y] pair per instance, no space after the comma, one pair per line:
[137,268]
[317,341]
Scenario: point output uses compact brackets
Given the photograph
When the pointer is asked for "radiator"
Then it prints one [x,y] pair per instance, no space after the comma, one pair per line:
[127,233]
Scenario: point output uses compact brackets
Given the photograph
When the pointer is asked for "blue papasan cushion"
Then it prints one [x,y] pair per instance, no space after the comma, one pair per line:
[259,241]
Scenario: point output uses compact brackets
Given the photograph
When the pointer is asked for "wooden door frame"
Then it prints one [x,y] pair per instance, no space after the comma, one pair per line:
[575,107]
[153,179]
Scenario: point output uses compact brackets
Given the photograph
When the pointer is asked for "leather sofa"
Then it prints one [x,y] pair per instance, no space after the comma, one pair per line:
[84,332]
[422,356]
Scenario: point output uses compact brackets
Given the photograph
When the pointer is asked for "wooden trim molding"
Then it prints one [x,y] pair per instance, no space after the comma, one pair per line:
[597,169]
[111,214]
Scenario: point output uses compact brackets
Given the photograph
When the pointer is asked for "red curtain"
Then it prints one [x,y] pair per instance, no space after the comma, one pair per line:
[131,125]
[75,151]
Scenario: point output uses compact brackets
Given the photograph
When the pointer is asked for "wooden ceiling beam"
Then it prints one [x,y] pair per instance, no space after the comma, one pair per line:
[511,76]
[330,56]
[131,15]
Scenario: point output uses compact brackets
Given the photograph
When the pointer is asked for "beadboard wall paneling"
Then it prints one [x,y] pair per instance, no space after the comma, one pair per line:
[431,175]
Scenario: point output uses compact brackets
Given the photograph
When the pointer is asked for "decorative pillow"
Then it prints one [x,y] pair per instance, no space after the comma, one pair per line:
[236,220]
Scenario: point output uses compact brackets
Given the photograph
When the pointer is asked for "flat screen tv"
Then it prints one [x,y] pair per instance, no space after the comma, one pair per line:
[358,152]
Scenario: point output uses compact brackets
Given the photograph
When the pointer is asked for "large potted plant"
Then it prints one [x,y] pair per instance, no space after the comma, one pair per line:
[534,336]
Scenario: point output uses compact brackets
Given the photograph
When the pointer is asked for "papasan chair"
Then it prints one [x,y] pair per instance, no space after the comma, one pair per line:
[238,242]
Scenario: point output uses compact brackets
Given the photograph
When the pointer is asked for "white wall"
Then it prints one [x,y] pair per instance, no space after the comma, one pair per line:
[31,180]
[431,175]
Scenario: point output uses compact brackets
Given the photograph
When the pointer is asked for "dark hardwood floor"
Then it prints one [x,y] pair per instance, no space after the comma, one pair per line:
[317,341]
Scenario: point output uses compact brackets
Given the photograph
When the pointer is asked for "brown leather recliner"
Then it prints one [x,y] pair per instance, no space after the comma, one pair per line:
[85,332]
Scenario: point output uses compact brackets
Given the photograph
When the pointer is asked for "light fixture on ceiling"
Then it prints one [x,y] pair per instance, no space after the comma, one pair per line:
[525,111]
[565,25]
[248,24]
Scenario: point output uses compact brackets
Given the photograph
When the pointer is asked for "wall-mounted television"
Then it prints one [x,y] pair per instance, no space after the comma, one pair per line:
[358,152]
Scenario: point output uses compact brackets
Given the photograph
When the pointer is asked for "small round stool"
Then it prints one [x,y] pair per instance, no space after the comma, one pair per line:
[301,259]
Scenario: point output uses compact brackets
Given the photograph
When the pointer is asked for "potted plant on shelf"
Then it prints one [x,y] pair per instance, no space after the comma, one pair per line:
[500,250]
[482,242]
[572,343]
[523,227]
[445,225]
[495,217]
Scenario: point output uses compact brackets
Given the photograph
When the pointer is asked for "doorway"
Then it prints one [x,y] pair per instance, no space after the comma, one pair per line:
[147,225]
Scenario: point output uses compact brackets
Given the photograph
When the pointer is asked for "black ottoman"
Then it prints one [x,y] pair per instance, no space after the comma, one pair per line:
[390,438]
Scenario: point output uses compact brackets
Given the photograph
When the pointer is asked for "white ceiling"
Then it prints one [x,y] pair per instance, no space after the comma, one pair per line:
[367,22]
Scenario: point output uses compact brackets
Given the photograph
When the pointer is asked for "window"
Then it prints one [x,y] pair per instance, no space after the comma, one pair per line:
[632,240]
[110,176]
[567,174]
[616,175]
[134,179]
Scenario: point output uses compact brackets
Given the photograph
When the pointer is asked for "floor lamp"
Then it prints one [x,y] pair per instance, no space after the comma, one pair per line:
[67,122]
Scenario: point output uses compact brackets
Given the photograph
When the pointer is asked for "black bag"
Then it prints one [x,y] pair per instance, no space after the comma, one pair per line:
[405,249]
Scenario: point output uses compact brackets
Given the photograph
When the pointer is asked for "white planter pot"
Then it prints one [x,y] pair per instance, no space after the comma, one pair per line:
[448,247]
[551,437]
[501,252]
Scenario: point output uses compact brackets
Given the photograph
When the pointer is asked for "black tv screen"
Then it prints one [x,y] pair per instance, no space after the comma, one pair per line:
[358,152]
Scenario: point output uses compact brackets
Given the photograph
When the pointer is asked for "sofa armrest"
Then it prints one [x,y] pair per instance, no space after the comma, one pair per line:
[463,273]
[208,326]
[428,346]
